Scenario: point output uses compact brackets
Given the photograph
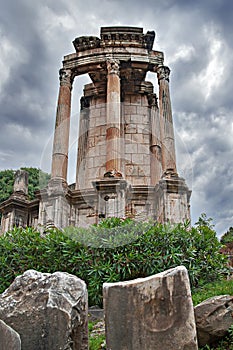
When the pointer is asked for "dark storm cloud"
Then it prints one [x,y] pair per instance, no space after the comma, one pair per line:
[196,37]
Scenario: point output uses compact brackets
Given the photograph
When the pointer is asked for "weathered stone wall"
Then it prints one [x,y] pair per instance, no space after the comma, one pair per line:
[92,166]
[137,139]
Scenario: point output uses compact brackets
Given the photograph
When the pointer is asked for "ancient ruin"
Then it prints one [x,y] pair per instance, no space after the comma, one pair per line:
[48,311]
[154,312]
[126,162]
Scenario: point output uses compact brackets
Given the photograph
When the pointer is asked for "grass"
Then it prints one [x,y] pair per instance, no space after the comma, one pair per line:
[95,341]
[212,289]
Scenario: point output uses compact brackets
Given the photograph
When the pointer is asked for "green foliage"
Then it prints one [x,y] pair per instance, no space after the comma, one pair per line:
[95,343]
[205,221]
[227,237]
[99,254]
[36,179]
[209,290]
[6,184]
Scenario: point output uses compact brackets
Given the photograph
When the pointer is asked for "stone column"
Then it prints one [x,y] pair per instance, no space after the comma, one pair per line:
[62,127]
[21,182]
[167,132]
[155,141]
[83,139]
[113,151]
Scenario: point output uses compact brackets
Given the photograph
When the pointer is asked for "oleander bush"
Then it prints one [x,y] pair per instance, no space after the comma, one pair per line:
[114,250]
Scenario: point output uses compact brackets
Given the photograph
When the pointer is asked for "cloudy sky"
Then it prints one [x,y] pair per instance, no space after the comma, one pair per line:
[196,37]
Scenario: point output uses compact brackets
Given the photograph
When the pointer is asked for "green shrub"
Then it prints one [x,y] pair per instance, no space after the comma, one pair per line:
[227,237]
[113,251]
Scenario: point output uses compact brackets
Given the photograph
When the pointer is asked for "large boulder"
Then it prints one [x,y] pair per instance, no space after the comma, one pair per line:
[213,317]
[155,312]
[49,311]
[9,338]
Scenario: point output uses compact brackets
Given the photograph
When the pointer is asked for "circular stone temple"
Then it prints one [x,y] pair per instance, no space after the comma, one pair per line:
[126,162]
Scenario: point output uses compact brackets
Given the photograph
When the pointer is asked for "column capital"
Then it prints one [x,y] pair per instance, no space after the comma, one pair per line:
[113,66]
[163,72]
[66,77]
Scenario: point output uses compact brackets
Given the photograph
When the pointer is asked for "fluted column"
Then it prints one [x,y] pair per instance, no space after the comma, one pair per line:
[167,132]
[113,152]
[62,127]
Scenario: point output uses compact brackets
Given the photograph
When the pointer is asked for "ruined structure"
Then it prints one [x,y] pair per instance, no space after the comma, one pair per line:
[154,312]
[126,163]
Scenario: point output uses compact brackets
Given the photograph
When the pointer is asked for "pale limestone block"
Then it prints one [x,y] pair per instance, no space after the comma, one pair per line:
[138,138]
[99,161]
[49,311]
[155,312]
[131,148]
[144,149]
[142,110]
[95,113]
[146,139]
[127,119]
[90,162]
[9,338]
[138,158]
[130,109]
[146,169]
[130,128]
[100,121]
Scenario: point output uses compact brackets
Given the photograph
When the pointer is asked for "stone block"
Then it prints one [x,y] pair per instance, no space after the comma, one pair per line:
[9,338]
[138,181]
[139,119]
[49,311]
[130,109]
[146,170]
[100,121]
[138,138]
[99,161]
[213,317]
[135,99]
[144,149]
[155,312]
[131,170]
[137,158]
[131,148]
[95,112]
[130,129]
[142,110]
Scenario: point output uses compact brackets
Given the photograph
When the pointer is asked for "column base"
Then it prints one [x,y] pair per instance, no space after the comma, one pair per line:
[111,197]
[54,208]
[172,200]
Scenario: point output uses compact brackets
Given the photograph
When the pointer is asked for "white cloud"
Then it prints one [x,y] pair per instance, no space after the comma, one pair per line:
[211,76]
[11,55]
[183,53]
